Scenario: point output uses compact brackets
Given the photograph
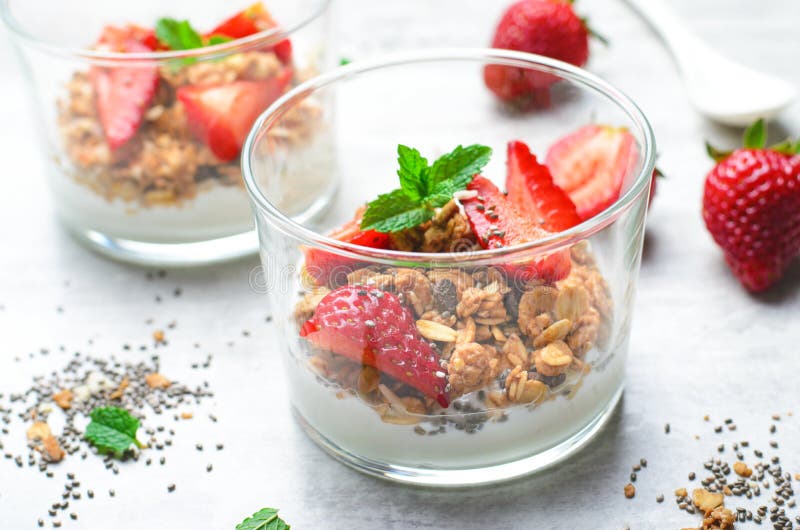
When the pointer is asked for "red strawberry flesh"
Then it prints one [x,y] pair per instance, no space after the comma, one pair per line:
[532,190]
[221,116]
[331,269]
[497,224]
[374,328]
[591,165]
[250,21]
[123,93]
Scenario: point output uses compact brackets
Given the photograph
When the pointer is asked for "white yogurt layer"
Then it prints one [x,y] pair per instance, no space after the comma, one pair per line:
[355,427]
[215,212]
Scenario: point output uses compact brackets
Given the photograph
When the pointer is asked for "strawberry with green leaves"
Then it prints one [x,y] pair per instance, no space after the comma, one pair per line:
[544,27]
[751,206]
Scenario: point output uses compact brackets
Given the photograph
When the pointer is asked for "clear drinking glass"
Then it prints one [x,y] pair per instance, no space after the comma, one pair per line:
[522,415]
[171,192]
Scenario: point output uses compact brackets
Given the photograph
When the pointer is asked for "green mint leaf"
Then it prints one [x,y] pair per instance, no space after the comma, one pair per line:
[453,171]
[264,519]
[112,430]
[213,40]
[395,211]
[344,61]
[178,34]
[755,137]
[413,172]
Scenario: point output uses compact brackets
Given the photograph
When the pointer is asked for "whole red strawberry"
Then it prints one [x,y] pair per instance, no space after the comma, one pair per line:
[751,206]
[544,27]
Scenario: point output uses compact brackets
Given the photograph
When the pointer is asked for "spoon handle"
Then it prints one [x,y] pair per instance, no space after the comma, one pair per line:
[685,46]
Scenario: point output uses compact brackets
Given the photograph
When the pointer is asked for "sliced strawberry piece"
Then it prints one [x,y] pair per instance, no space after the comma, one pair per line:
[330,269]
[591,164]
[221,116]
[123,93]
[497,224]
[532,190]
[374,328]
[249,22]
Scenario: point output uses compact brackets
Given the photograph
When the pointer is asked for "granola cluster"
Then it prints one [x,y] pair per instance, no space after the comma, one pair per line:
[501,344]
[164,164]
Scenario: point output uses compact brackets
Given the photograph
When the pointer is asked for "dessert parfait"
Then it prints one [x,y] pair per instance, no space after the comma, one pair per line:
[459,366]
[150,128]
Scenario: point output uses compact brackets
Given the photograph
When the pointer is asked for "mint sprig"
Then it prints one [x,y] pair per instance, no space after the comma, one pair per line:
[423,187]
[180,35]
[112,430]
[264,519]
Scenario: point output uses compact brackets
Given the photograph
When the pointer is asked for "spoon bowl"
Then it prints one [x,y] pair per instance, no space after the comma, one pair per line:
[719,88]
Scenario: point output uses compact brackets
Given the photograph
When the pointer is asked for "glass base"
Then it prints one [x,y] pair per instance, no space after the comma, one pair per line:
[428,476]
[170,254]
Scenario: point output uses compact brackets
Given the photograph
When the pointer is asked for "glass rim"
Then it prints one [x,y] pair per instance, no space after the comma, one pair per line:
[549,244]
[272,35]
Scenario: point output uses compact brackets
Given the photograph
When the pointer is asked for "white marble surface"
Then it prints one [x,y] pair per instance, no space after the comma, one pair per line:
[700,344]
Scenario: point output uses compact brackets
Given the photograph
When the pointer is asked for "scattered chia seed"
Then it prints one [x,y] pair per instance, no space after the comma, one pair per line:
[171,488]
[666,428]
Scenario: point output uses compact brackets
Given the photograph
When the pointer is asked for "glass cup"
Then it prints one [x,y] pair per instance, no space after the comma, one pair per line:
[143,146]
[528,369]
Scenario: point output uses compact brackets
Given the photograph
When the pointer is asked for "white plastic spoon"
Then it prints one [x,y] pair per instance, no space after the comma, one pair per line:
[719,88]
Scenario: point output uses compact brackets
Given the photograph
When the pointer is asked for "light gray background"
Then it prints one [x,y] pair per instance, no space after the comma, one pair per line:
[700,344]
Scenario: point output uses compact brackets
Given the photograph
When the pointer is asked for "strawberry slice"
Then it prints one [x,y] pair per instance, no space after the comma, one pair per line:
[591,164]
[532,190]
[221,116]
[497,224]
[123,93]
[330,269]
[374,328]
[249,22]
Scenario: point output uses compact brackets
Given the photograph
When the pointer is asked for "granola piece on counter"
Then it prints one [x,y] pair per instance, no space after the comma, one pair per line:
[472,366]
[720,518]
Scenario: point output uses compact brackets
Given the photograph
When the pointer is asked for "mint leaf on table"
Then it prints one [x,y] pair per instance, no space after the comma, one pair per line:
[264,519]
[423,187]
[112,430]
[178,34]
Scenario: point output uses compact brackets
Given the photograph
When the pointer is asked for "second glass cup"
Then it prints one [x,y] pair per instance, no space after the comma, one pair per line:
[143,129]
[430,359]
